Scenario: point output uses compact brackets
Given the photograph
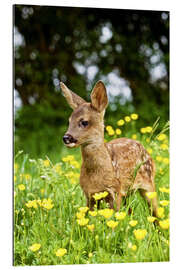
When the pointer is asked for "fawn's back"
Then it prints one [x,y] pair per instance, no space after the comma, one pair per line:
[133,166]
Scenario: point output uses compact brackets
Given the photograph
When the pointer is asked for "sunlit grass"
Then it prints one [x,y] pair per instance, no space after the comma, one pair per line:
[53,226]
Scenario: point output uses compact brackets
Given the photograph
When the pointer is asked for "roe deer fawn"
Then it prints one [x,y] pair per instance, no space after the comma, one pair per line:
[106,166]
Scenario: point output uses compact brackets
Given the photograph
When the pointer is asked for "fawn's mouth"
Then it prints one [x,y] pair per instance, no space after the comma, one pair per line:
[71,145]
[70,141]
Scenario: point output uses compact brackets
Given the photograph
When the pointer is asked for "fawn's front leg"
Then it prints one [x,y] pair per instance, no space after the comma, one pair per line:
[118,201]
[152,202]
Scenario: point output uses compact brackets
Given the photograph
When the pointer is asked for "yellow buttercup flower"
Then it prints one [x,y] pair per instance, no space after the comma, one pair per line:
[133,223]
[58,168]
[21,187]
[120,215]
[164,189]
[93,213]
[83,221]
[148,129]
[127,119]
[80,215]
[69,174]
[15,178]
[31,204]
[151,195]
[164,224]
[165,161]
[161,137]
[134,136]
[68,158]
[97,196]
[47,204]
[134,116]
[120,122]
[83,209]
[164,203]
[46,163]
[140,233]
[161,171]
[143,130]
[111,132]
[35,247]
[64,159]
[27,176]
[90,227]
[75,164]
[73,181]
[164,146]
[61,252]
[104,194]
[107,213]
[112,224]
[72,176]
[151,219]
[132,247]
[118,131]
[160,212]
[100,195]
[109,128]
[159,158]
[90,254]
[149,150]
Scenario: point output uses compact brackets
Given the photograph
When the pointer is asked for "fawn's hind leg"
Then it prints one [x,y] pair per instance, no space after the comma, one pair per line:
[145,182]
[110,199]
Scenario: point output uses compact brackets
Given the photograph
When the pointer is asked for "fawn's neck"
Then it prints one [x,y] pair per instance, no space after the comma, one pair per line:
[95,156]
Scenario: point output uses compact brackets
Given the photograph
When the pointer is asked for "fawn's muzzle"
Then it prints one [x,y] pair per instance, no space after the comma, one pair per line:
[68,139]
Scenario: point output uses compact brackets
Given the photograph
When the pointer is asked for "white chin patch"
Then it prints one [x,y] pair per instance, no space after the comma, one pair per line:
[71,144]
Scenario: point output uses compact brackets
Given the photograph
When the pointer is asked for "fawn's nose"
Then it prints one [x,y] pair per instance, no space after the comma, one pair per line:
[67,139]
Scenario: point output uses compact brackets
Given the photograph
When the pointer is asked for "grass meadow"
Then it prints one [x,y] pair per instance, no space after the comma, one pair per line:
[53,226]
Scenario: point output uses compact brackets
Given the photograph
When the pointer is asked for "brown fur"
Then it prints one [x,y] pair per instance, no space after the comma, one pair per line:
[108,166]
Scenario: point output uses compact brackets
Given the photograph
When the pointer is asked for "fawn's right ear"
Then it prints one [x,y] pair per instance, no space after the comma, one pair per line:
[72,99]
[99,99]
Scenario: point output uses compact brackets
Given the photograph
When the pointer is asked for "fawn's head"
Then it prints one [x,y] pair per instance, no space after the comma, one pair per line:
[86,125]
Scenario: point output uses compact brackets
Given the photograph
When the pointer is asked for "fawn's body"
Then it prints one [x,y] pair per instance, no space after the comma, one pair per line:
[117,166]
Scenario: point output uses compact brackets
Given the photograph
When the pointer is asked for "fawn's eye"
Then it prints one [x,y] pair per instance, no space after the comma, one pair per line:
[84,123]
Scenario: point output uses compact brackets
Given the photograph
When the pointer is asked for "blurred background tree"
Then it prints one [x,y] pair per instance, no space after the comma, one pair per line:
[127,49]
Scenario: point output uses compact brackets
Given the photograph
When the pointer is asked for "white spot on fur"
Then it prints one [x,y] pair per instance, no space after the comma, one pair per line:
[113,163]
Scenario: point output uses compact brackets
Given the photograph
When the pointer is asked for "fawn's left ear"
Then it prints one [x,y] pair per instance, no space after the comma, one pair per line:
[72,99]
[99,99]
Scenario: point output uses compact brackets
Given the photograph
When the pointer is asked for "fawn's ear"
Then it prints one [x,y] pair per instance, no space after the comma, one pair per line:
[99,99]
[72,99]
